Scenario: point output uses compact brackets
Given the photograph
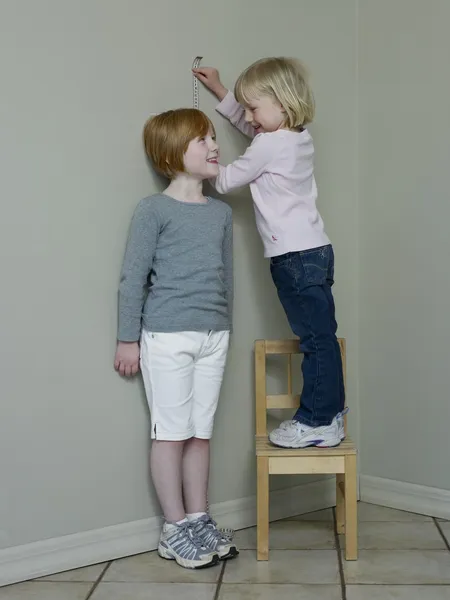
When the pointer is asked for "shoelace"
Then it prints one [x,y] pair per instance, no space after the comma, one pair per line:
[186,529]
[286,424]
[301,426]
[223,534]
[226,534]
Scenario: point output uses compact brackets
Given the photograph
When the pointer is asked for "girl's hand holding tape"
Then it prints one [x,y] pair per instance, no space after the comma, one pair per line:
[210,78]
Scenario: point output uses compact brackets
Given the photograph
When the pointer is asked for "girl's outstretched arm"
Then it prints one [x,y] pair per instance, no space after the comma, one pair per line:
[228,107]
[247,167]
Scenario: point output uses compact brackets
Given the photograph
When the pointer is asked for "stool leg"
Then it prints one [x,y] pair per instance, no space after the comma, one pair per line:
[262,518]
[340,503]
[351,509]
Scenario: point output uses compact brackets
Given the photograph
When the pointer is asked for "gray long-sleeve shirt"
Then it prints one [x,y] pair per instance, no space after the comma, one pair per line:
[177,272]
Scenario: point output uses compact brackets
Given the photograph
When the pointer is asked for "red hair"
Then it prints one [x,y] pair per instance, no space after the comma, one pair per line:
[167,137]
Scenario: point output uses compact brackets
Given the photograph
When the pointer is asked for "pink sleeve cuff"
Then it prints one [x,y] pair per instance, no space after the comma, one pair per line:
[228,105]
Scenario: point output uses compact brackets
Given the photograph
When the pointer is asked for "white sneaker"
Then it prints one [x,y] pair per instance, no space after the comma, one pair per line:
[293,434]
[180,543]
[338,419]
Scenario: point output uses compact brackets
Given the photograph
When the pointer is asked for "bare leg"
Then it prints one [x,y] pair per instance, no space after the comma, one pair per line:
[195,475]
[166,460]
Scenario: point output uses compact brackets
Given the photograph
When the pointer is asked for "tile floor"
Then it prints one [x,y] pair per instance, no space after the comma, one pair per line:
[402,557]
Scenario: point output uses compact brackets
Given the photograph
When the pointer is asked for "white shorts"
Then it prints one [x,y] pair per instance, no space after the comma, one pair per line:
[182,375]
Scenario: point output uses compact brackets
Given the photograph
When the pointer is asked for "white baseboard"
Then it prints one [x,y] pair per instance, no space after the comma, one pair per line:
[37,559]
[54,555]
[419,499]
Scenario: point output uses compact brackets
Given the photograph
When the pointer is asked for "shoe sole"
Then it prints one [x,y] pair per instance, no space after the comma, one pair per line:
[316,444]
[233,552]
[187,564]
[329,445]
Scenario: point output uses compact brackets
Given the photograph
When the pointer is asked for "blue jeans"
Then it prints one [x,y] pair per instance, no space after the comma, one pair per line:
[303,281]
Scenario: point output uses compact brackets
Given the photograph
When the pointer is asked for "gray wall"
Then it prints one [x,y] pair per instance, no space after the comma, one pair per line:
[404,279]
[79,80]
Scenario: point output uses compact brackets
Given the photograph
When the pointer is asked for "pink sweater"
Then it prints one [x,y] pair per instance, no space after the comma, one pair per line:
[279,168]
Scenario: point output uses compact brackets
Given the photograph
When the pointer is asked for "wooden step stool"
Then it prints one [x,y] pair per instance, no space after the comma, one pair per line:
[272,460]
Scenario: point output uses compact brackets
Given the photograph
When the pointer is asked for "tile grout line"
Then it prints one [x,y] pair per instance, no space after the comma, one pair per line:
[99,578]
[219,581]
[339,557]
[442,534]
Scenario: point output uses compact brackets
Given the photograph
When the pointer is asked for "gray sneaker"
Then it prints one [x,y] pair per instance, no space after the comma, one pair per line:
[214,539]
[180,543]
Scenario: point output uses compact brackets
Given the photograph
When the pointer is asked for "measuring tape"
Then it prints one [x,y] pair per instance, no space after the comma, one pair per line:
[225,531]
[195,65]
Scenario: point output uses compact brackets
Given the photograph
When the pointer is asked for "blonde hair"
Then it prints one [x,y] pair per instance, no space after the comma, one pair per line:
[167,136]
[286,81]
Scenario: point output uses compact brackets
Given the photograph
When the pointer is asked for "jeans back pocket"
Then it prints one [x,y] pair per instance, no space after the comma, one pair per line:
[317,264]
